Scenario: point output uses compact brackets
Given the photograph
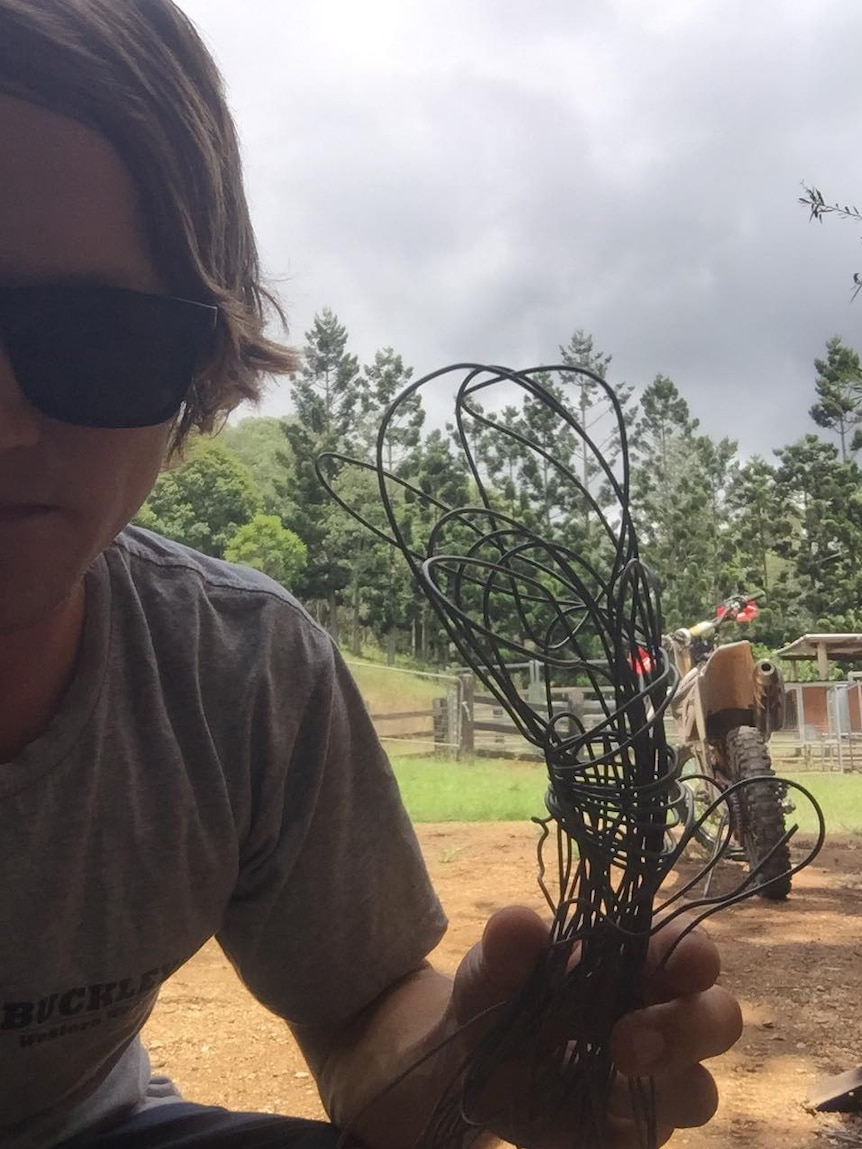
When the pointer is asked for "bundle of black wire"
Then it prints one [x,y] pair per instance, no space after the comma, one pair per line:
[506,592]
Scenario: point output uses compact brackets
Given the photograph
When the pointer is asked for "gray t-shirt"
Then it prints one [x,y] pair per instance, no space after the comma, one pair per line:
[211,771]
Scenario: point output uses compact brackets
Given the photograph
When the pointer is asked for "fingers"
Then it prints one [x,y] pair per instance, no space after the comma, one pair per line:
[688,1018]
[498,965]
[682,1101]
[622,1133]
[689,1100]
[671,1035]
[679,967]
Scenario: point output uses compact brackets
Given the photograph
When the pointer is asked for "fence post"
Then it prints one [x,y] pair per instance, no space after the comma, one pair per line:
[440,720]
[466,743]
[453,720]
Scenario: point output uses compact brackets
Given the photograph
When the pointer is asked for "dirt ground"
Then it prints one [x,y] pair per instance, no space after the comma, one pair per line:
[796,967]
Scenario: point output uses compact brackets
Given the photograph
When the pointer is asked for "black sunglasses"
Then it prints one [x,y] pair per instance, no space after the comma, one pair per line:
[103,356]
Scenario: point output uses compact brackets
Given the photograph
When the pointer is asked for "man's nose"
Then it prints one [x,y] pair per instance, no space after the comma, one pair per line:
[20,422]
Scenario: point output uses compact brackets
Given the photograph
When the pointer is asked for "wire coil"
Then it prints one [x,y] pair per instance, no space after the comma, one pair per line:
[565,588]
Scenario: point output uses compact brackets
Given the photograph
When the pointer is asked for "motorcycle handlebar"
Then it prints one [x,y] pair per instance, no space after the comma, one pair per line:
[733,605]
[684,635]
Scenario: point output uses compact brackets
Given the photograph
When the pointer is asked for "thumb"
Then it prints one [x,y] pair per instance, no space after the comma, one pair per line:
[497,966]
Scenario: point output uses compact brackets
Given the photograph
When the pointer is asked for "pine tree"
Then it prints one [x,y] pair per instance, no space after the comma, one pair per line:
[380,591]
[441,478]
[383,380]
[839,395]
[718,468]
[325,397]
[503,455]
[679,484]
[594,410]
[753,514]
[549,500]
[820,534]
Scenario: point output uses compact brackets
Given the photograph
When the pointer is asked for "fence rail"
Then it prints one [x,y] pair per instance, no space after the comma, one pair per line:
[459,721]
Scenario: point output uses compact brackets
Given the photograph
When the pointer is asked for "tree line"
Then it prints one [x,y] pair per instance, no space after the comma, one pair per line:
[710,523]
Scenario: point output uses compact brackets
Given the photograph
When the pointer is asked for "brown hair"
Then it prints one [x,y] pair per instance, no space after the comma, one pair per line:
[137,72]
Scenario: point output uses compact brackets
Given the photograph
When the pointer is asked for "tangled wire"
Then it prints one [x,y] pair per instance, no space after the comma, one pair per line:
[563,585]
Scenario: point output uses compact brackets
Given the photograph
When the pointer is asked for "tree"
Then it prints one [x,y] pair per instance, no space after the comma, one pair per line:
[325,396]
[440,477]
[503,456]
[384,595]
[753,513]
[548,498]
[260,443]
[819,209]
[326,392]
[665,418]
[839,393]
[594,409]
[718,467]
[267,545]
[680,482]
[379,586]
[382,380]
[820,534]
[204,501]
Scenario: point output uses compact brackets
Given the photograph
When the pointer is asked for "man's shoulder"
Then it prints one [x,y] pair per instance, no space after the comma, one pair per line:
[148,556]
[147,550]
[180,587]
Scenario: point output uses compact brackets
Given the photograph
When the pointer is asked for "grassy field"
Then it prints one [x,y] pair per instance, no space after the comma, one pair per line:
[391,688]
[386,690]
[435,790]
[840,796]
[485,790]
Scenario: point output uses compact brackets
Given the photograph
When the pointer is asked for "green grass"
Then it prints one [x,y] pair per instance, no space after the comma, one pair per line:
[387,689]
[840,796]
[436,790]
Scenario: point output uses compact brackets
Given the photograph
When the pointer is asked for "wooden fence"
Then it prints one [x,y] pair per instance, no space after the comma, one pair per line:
[461,720]
[414,712]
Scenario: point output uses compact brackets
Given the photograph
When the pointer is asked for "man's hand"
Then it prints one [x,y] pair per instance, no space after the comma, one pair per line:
[424,1027]
[688,1018]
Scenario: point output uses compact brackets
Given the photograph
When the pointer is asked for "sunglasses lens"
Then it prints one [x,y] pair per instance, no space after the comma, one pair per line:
[103,357]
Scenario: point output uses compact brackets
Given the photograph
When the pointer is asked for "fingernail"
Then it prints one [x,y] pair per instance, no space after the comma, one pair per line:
[648,1045]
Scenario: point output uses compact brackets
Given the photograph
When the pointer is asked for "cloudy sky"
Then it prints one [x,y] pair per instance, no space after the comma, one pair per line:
[476,179]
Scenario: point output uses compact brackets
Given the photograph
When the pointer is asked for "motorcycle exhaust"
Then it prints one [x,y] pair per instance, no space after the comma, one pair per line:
[767,678]
[769,696]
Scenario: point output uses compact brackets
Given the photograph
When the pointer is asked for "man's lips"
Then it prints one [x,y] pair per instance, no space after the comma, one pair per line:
[20,512]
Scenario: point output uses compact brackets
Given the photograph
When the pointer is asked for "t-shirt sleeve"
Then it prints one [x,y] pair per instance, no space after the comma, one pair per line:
[333,902]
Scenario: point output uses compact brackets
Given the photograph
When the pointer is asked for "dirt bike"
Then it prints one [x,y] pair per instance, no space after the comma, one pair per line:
[727,705]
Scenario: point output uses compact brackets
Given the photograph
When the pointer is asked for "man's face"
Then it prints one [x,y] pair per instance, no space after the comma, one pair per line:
[68,210]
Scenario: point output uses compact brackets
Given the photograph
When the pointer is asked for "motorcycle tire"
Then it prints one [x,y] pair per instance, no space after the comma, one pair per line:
[759,811]
[680,818]
[698,793]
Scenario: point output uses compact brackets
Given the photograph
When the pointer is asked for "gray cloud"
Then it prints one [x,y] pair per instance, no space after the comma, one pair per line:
[479,179]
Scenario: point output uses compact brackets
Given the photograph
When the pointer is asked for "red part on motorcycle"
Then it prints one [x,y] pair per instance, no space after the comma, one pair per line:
[745,613]
[641,663]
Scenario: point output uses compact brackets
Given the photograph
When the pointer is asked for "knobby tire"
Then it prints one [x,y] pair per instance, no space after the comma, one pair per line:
[760,811]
